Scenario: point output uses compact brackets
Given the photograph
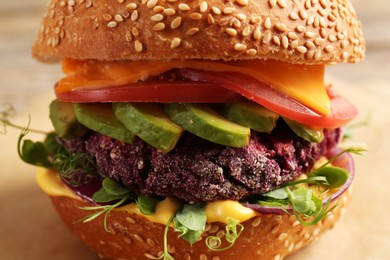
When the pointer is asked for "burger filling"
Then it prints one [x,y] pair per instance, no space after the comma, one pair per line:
[197,131]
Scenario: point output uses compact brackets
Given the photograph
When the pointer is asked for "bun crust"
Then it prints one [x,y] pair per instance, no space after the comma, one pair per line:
[302,31]
[134,237]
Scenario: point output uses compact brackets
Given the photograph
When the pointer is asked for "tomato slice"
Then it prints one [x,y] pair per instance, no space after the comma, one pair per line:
[342,111]
[217,87]
[162,92]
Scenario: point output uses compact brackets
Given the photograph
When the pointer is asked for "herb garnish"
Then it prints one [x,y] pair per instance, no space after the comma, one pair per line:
[110,191]
[233,231]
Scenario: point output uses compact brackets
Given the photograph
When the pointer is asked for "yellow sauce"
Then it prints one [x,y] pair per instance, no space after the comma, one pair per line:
[218,211]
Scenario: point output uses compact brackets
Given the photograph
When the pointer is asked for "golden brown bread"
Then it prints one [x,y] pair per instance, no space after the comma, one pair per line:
[133,237]
[301,31]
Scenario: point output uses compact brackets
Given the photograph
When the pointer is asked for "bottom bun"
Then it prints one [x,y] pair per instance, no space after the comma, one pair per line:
[132,236]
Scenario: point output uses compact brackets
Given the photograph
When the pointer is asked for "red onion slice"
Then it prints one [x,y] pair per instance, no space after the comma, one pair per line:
[344,161]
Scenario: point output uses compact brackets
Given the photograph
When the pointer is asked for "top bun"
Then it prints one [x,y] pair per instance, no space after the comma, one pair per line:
[299,31]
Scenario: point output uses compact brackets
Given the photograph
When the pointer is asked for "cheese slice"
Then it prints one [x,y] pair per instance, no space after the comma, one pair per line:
[218,211]
[304,83]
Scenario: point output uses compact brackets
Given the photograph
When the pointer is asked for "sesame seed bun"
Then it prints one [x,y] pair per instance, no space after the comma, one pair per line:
[130,236]
[303,31]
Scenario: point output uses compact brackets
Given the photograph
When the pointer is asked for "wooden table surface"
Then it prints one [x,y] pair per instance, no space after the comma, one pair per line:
[29,228]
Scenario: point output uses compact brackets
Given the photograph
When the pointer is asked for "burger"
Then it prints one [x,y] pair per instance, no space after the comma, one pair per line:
[196,129]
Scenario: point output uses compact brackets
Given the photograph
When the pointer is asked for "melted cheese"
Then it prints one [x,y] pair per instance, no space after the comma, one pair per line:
[218,211]
[301,82]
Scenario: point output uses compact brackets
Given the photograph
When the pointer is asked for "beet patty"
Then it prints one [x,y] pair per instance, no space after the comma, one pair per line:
[198,170]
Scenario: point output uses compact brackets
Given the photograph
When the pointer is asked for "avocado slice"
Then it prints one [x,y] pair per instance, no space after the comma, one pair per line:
[250,114]
[306,132]
[100,117]
[206,123]
[150,123]
[64,120]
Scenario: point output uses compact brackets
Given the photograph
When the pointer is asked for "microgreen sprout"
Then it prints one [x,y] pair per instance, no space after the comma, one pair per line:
[110,191]
[9,111]
[75,168]
[106,209]
[233,231]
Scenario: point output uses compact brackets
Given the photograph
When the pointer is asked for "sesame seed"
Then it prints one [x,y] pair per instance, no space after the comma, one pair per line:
[316,231]
[128,36]
[158,9]
[216,258]
[203,6]
[323,33]
[276,40]
[302,14]
[195,16]
[126,14]
[319,41]
[159,27]
[157,17]
[214,229]
[71,3]
[323,3]
[231,31]
[203,257]
[310,54]
[192,31]
[138,48]
[121,1]
[332,38]
[257,34]
[228,10]
[281,3]
[255,20]
[112,24]
[242,2]
[131,6]
[307,4]
[118,18]
[282,236]
[294,44]
[175,42]
[328,48]
[236,23]
[210,19]
[151,3]
[107,17]
[317,55]
[291,247]
[240,47]
[310,45]
[285,41]
[176,22]
[184,7]
[88,4]
[216,10]
[322,22]
[321,12]
[246,31]
[344,44]
[310,20]
[139,238]
[134,16]
[221,233]
[275,229]
[272,3]
[267,38]
[241,17]
[309,34]
[301,28]
[281,27]
[127,240]
[251,52]
[293,16]
[169,11]
[135,31]
[278,257]
[292,35]
[149,256]
[267,23]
